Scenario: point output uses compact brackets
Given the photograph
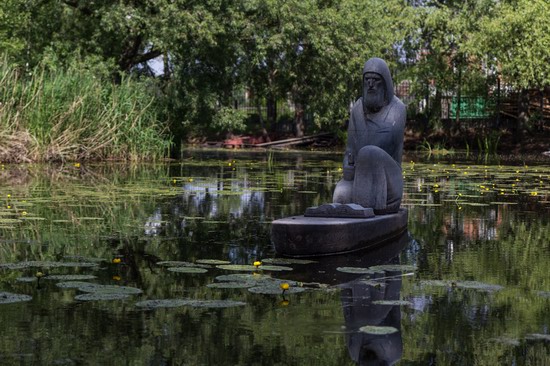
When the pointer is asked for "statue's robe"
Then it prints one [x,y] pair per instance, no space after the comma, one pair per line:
[372,161]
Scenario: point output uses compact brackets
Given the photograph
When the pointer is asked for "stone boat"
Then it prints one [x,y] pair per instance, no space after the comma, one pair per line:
[312,234]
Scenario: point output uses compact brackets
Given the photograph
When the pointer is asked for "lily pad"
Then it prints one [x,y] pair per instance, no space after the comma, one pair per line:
[475,285]
[174,303]
[10,298]
[187,270]
[211,261]
[472,285]
[231,285]
[392,302]
[26,279]
[545,294]
[274,290]
[79,258]
[538,337]
[275,268]
[237,267]
[45,264]
[97,288]
[378,330]
[358,270]
[101,296]
[181,264]
[70,277]
[394,268]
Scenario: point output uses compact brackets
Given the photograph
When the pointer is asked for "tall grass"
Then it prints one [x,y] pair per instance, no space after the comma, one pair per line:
[59,115]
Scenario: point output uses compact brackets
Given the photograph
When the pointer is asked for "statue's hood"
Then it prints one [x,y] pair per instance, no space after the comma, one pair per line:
[380,67]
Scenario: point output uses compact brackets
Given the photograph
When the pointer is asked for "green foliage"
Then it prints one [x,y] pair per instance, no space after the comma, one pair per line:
[229,119]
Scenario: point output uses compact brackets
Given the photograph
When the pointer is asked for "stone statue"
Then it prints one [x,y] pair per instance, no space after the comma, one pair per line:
[372,161]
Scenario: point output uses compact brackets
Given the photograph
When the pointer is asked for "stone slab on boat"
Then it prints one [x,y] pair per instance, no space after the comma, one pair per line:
[302,236]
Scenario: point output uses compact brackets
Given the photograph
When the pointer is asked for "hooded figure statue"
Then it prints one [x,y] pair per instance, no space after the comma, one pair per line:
[372,162]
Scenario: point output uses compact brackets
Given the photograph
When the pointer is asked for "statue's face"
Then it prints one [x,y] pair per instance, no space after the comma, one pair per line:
[374,91]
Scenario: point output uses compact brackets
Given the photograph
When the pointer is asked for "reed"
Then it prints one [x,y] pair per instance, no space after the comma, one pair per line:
[72,115]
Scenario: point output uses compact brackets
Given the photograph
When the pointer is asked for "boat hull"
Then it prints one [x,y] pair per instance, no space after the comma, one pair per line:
[300,236]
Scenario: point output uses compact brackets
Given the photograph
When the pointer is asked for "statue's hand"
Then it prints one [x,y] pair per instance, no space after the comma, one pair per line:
[349,172]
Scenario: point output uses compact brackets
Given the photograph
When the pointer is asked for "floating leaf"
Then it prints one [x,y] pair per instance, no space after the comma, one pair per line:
[79,258]
[70,277]
[173,303]
[545,294]
[211,261]
[358,270]
[165,303]
[275,268]
[237,267]
[394,268]
[96,288]
[393,302]
[77,285]
[475,285]
[538,337]
[26,279]
[274,290]
[286,261]
[231,285]
[435,283]
[45,264]
[187,270]
[181,264]
[378,330]
[101,296]
[10,298]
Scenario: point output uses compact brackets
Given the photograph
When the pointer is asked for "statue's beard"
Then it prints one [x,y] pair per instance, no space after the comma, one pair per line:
[373,100]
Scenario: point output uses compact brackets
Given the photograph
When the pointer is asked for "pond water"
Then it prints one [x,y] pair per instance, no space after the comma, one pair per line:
[112,264]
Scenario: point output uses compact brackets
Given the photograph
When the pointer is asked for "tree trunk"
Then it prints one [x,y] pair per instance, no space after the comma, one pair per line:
[299,126]
[523,115]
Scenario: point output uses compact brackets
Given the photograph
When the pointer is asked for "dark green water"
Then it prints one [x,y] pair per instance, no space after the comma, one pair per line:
[473,287]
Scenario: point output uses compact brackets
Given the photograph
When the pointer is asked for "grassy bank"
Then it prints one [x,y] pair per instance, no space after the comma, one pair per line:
[72,115]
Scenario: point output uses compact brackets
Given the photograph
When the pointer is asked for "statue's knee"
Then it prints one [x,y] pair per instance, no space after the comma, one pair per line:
[342,192]
[371,153]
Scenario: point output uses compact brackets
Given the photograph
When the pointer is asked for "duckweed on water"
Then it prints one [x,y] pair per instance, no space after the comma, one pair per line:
[10,298]
[174,303]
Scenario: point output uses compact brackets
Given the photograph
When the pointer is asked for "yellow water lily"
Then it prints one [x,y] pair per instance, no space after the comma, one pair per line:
[117,260]
[257,264]
[284,286]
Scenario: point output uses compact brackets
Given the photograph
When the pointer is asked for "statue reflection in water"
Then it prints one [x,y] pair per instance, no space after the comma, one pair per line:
[359,303]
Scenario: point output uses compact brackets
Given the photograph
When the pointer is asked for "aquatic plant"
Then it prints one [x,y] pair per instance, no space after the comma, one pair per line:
[10,298]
